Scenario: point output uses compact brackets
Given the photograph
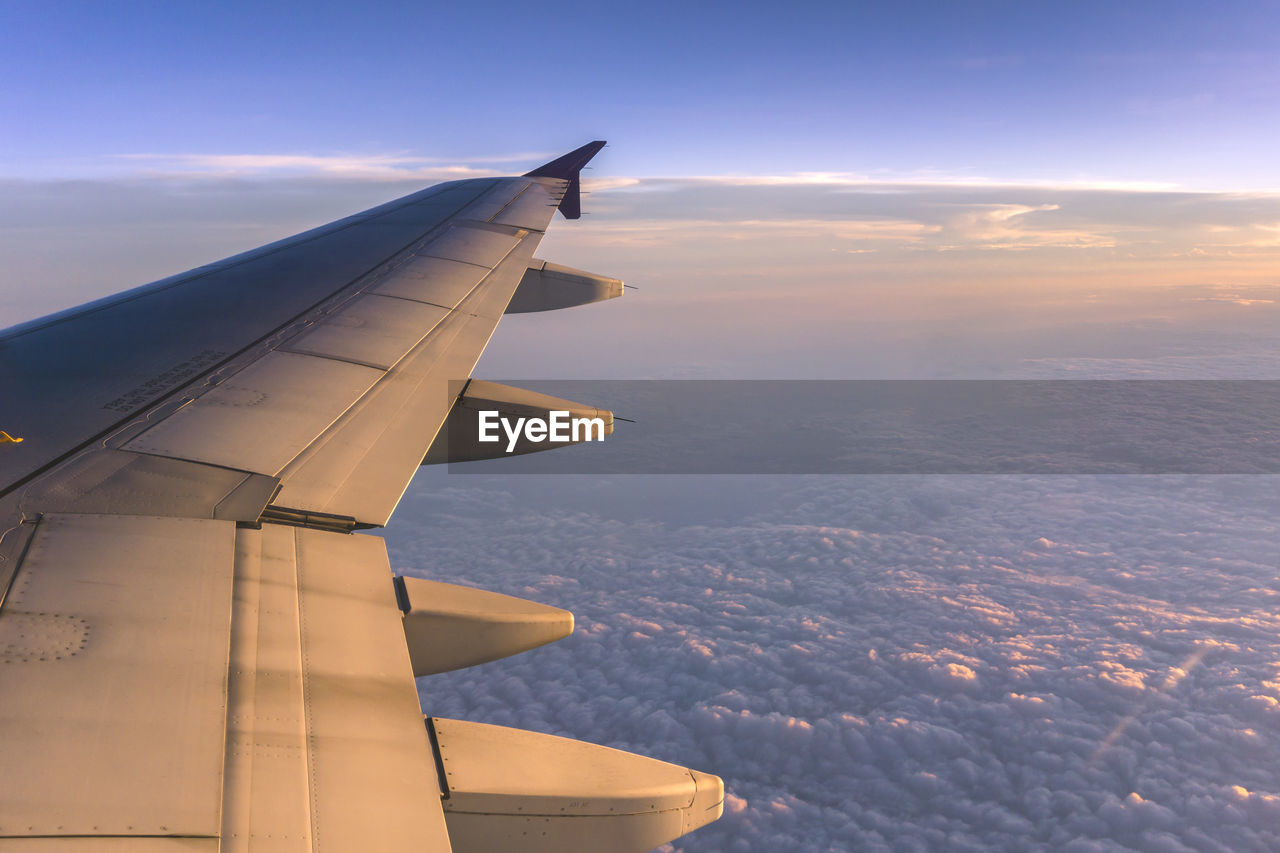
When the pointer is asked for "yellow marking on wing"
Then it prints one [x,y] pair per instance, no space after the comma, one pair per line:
[5,438]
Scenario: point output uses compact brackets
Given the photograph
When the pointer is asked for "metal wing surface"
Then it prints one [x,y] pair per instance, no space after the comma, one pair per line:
[198,648]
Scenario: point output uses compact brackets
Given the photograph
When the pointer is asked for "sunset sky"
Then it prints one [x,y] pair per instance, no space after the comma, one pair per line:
[842,190]
[804,190]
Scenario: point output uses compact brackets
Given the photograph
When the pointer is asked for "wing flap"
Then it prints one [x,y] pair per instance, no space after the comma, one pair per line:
[114,644]
[373,777]
[325,740]
[265,788]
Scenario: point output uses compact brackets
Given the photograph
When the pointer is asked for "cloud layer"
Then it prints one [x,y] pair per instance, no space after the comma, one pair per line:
[783,277]
[896,663]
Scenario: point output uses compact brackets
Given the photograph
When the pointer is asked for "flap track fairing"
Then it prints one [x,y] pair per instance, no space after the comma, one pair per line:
[450,627]
[510,789]
[547,287]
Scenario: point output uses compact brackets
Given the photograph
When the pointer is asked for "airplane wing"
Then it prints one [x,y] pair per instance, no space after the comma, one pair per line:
[199,650]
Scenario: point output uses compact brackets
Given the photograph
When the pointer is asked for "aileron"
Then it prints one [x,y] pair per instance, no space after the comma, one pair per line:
[532,209]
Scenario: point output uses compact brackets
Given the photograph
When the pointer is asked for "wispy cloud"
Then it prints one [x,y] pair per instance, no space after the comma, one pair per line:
[682,230]
[946,215]
[894,181]
[1008,226]
[392,166]
[407,165]
[1230,296]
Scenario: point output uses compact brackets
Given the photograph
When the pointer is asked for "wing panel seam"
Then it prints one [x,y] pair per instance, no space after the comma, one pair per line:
[304,664]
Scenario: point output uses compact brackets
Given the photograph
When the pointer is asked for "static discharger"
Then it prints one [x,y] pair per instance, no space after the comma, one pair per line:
[5,438]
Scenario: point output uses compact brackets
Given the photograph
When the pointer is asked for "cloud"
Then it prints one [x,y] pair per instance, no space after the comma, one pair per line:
[895,663]
[1233,299]
[769,278]
[678,230]
[886,182]
[367,167]
[409,166]
[1005,226]
[933,214]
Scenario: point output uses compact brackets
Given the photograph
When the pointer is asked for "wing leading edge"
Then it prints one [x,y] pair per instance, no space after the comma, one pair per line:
[198,650]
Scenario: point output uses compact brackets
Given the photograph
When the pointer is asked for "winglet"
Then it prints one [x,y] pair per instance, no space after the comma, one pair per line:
[567,168]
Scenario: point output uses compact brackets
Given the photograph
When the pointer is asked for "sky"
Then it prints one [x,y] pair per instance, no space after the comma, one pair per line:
[821,190]
[1180,93]
[979,189]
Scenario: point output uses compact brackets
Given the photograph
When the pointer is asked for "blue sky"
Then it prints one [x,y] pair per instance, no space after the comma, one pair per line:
[1184,93]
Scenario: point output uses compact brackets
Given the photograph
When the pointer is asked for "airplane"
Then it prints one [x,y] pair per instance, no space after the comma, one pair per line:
[200,648]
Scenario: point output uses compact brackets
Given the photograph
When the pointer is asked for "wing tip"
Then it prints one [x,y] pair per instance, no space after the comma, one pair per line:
[567,168]
[569,165]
